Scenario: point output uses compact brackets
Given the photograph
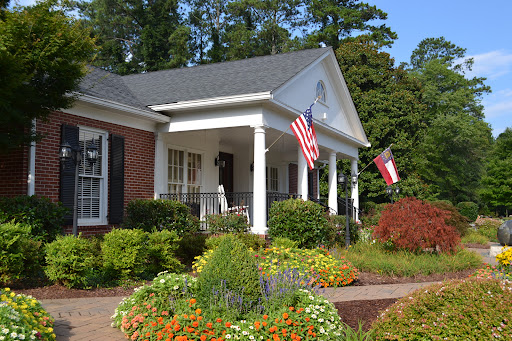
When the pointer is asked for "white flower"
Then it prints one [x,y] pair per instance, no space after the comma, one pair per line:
[14,335]
[320,320]
[176,287]
[2,337]
[313,316]
[162,280]
[245,332]
[228,336]
[5,330]
[21,337]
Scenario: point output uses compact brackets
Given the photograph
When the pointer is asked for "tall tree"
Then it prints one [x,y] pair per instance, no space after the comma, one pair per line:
[261,27]
[137,35]
[496,189]
[452,153]
[389,105]
[42,59]
[339,21]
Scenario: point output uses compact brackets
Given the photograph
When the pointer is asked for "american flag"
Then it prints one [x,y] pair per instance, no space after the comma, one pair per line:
[304,131]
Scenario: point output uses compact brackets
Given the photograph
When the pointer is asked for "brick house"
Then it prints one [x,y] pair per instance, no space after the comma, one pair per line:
[180,133]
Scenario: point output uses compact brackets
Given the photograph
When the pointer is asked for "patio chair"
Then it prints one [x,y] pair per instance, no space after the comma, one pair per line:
[224,207]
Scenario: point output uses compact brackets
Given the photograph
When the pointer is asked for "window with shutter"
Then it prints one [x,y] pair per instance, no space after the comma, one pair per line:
[92,191]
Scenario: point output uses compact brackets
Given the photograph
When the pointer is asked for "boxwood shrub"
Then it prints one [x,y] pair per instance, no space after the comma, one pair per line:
[149,215]
[305,222]
[471,309]
[45,217]
[468,209]
[20,255]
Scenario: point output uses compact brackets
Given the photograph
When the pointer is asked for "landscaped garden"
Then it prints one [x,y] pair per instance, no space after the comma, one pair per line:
[237,286]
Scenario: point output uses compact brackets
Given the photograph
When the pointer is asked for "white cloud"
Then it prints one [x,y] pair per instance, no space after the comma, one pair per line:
[491,65]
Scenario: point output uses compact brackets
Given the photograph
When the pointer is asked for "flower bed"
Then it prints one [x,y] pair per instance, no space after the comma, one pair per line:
[317,265]
[167,310]
[23,318]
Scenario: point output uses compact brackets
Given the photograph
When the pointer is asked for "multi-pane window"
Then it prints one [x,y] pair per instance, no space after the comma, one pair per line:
[272,179]
[184,175]
[320,91]
[92,179]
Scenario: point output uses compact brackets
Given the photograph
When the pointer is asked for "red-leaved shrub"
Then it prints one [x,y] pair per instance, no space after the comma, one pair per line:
[416,225]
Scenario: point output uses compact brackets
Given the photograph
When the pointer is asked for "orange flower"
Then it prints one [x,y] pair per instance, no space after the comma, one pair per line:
[288,322]
[203,337]
[195,324]
[275,337]
[265,317]
[219,320]
[264,324]
[198,311]
[192,301]
[228,324]
[285,316]
[291,308]
[192,317]
[209,325]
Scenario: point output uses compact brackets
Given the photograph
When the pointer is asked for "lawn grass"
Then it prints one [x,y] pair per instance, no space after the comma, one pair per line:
[374,258]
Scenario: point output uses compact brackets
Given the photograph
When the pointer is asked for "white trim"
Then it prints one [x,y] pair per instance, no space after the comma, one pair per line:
[138,113]
[31,180]
[102,220]
[213,102]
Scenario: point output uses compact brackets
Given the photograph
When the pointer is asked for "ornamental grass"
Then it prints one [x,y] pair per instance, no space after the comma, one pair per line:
[23,318]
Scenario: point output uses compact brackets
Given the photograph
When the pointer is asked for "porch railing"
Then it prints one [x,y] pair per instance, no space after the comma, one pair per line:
[202,204]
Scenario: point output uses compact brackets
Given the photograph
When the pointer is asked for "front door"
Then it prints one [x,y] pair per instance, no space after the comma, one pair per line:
[226,172]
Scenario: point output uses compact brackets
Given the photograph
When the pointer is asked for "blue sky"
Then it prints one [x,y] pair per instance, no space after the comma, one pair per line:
[484,28]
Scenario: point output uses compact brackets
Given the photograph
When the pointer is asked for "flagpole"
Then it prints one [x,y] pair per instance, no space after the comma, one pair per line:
[284,132]
[372,161]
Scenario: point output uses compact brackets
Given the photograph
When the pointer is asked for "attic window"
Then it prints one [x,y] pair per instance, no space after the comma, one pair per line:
[320,91]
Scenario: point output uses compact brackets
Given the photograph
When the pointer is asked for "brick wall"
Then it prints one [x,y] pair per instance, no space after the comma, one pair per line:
[14,172]
[139,163]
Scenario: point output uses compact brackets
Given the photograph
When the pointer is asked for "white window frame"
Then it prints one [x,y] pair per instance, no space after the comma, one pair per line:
[103,207]
[186,151]
[324,100]
[269,179]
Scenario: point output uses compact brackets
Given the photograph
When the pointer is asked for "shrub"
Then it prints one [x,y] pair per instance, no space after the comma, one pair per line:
[227,223]
[250,240]
[303,221]
[340,223]
[471,309]
[190,246]
[455,219]
[45,218]
[488,227]
[23,318]
[20,256]
[124,253]
[473,237]
[162,247]
[284,243]
[71,260]
[231,272]
[468,209]
[416,226]
[149,215]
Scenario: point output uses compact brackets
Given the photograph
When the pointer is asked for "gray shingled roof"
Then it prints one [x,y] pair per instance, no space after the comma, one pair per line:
[246,76]
[109,86]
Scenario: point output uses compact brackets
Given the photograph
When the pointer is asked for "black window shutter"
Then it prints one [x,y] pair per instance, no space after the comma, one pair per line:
[116,204]
[69,134]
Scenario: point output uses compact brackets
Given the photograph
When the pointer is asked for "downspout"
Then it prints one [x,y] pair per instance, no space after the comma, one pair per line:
[31,179]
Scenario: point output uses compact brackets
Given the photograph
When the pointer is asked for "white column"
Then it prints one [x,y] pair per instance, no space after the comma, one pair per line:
[302,175]
[259,219]
[355,190]
[333,183]
[160,166]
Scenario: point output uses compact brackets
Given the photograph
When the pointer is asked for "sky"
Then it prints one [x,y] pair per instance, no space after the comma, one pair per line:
[483,28]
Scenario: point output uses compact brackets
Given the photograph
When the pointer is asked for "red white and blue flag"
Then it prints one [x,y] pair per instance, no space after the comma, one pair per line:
[304,131]
[387,167]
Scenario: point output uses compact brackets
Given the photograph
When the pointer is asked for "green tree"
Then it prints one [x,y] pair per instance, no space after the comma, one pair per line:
[261,27]
[137,35]
[451,155]
[338,21]
[42,59]
[388,102]
[496,189]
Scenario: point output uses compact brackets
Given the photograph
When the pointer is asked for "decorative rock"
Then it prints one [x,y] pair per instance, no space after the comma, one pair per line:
[505,233]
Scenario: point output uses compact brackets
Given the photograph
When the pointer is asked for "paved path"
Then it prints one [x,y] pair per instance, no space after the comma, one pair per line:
[84,319]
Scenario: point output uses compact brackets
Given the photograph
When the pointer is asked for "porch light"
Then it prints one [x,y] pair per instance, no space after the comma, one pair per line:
[342,179]
[354,179]
[219,162]
[391,192]
[92,153]
[65,152]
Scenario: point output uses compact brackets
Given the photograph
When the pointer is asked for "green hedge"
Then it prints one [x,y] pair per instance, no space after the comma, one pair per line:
[20,255]
[468,209]
[150,215]
[45,217]
[305,222]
